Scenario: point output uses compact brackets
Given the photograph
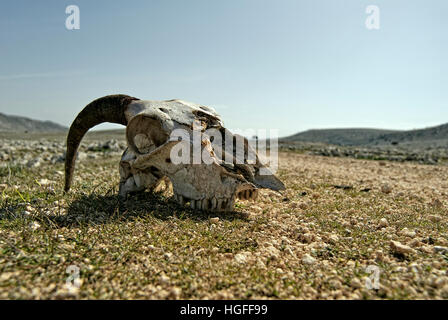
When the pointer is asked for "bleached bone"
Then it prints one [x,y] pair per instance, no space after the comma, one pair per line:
[148,161]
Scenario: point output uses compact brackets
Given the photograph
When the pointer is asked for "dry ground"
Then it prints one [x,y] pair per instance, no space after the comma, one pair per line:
[337,217]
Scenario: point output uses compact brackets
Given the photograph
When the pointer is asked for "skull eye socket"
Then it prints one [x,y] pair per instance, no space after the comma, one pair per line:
[145,133]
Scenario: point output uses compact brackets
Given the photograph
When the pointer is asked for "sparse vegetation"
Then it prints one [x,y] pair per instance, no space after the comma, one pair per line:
[315,241]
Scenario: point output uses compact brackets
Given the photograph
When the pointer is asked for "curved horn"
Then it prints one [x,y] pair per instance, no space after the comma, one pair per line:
[106,109]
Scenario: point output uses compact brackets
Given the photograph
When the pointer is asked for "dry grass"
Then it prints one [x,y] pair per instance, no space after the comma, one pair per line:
[314,241]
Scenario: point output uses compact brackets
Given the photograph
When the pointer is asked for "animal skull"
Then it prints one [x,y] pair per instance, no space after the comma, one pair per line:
[164,141]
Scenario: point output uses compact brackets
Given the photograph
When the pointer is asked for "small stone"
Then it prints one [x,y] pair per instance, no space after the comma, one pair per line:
[408,233]
[415,243]
[383,223]
[214,220]
[33,163]
[279,270]
[333,238]
[164,279]
[240,258]
[34,225]
[355,283]
[67,293]
[385,188]
[175,293]
[308,260]
[400,248]
[44,182]
[272,252]
[440,249]
[5,276]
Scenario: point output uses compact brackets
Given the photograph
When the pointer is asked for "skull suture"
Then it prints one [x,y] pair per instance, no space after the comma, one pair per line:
[157,130]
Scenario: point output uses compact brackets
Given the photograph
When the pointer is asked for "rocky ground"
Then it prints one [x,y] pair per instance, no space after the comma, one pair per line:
[397,153]
[344,229]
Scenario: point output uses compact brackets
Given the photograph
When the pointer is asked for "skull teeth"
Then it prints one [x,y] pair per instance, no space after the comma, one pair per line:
[212,204]
[248,194]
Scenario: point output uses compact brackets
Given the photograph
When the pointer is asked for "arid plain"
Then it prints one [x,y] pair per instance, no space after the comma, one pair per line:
[344,229]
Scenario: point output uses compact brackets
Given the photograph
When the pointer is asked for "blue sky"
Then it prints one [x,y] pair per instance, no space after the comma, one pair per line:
[286,64]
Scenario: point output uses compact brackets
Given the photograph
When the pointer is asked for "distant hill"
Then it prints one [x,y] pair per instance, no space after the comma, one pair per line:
[434,136]
[346,137]
[16,124]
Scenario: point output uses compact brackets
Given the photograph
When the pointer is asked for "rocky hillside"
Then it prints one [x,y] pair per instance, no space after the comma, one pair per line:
[434,136]
[344,137]
[16,124]
[428,137]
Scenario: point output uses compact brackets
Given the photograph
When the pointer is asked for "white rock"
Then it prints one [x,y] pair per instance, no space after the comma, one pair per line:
[383,223]
[164,279]
[333,238]
[214,220]
[44,182]
[241,257]
[355,283]
[272,252]
[307,259]
[400,248]
[34,225]
[408,233]
[175,292]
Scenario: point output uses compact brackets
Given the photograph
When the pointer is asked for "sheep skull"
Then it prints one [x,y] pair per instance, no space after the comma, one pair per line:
[188,145]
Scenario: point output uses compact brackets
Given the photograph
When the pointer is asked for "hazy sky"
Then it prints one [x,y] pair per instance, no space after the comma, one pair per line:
[284,64]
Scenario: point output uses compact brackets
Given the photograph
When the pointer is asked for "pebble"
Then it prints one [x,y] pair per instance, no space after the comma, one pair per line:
[440,249]
[400,248]
[34,225]
[214,220]
[33,163]
[355,283]
[44,182]
[241,257]
[333,238]
[406,232]
[383,223]
[175,293]
[308,260]
[164,279]
[385,188]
